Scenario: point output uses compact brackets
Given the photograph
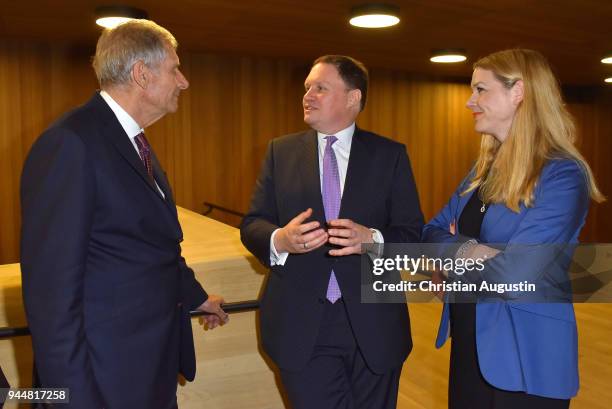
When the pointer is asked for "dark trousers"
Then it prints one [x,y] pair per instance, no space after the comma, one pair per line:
[336,377]
[467,389]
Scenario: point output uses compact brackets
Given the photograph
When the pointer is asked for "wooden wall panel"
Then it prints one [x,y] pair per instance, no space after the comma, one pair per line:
[8,146]
[594,124]
[234,105]
[212,148]
[431,120]
[37,83]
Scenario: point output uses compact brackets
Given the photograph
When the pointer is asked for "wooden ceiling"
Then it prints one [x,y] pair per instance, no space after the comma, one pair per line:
[573,34]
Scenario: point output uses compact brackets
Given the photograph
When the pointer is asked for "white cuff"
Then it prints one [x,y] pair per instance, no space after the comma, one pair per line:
[377,236]
[276,259]
[376,251]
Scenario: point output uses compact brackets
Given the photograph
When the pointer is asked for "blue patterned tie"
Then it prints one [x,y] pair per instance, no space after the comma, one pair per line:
[331,203]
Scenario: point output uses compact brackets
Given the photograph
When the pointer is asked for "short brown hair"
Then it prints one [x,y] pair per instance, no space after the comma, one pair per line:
[353,73]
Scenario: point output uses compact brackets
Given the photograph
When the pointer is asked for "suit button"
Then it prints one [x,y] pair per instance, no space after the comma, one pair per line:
[321,300]
[179,305]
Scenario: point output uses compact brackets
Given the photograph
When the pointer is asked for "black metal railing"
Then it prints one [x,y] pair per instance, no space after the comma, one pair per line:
[209,207]
[232,307]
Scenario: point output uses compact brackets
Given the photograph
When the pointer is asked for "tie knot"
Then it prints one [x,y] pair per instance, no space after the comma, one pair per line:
[331,139]
[141,141]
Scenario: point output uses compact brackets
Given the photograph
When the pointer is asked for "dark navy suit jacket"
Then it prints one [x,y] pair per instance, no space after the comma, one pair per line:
[525,346]
[379,192]
[106,290]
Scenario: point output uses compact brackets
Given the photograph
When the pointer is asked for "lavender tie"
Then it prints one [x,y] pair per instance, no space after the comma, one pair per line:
[331,203]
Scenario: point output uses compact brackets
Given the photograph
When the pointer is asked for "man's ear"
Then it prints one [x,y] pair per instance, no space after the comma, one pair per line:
[140,74]
[354,98]
[517,92]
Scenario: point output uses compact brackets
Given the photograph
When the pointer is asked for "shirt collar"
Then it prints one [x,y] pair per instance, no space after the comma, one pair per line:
[129,125]
[345,137]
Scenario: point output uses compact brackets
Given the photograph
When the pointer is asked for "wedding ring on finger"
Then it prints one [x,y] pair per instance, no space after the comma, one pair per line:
[305,246]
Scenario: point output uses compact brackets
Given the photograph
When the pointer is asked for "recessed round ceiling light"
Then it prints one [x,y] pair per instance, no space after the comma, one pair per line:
[608,80]
[607,59]
[448,56]
[374,15]
[112,16]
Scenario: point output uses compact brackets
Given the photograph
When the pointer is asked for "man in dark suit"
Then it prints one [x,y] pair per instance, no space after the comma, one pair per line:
[320,195]
[106,291]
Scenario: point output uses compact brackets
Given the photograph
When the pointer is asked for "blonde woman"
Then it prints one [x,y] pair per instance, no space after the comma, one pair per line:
[530,185]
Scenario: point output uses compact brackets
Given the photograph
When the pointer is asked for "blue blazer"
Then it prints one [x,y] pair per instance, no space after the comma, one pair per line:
[530,347]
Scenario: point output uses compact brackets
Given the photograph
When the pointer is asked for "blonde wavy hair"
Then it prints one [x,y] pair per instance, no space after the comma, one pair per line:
[542,129]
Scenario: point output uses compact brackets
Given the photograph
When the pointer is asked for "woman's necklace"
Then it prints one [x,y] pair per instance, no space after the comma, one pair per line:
[483,208]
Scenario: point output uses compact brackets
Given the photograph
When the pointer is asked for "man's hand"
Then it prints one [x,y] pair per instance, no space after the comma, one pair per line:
[349,235]
[213,306]
[300,237]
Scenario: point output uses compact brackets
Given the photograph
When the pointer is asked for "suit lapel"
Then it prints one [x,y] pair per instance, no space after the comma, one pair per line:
[115,133]
[122,143]
[499,222]
[356,173]
[162,181]
[308,158]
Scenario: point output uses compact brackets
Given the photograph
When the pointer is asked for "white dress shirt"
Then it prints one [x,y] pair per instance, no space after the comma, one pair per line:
[129,125]
[342,150]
